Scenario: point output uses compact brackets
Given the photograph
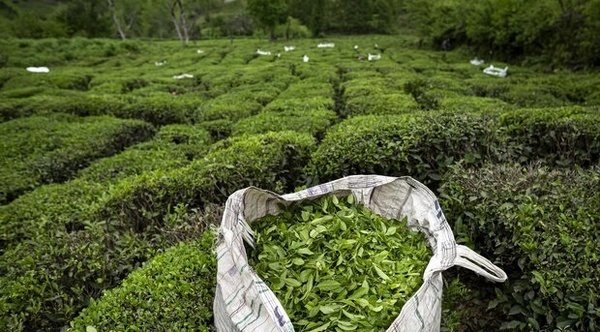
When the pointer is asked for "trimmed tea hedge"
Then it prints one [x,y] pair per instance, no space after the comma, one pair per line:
[55,257]
[158,110]
[539,224]
[271,161]
[473,104]
[560,136]
[63,206]
[300,104]
[380,104]
[172,292]
[49,149]
[417,145]
[311,122]
[93,241]
[46,282]
[174,146]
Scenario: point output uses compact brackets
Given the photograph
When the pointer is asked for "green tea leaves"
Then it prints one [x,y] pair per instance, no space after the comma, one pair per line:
[337,266]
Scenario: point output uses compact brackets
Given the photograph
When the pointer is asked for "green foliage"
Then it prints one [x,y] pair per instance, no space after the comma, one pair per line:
[559,137]
[64,205]
[271,161]
[306,104]
[329,275]
[473,104]
[158,110]
[228,106]
[364,96]
[173,147]
[53,80]
[63,244]
[380,104]
[268,13]
[421,146]
[418,90]
[538,224]
[39,150]
[173,291]
[55,257]
[311,122]
[560,32]
[531,96]
[292,29]
[49,280]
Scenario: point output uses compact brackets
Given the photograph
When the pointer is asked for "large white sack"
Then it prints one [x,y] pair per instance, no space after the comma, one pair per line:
[244,303]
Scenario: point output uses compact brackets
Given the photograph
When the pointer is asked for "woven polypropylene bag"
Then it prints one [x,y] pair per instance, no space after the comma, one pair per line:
[243,302]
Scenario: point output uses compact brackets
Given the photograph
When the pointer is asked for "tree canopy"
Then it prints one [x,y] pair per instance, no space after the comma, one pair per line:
[560,32]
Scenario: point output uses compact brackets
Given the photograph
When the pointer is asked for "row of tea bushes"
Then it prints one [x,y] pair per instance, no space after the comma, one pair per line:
[539,224]
[88,236]
[48,149]
[422,145]
[306,106]
[271,161]
[172,292]
[313,122]
[173,146]
[159,110]
[122,224]
[499,210]
[53,245]
[473,104]
[65,205]
[564,136]
[46,282]
[419,145]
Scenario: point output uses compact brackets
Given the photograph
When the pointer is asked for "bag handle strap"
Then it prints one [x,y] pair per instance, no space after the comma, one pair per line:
[471,260]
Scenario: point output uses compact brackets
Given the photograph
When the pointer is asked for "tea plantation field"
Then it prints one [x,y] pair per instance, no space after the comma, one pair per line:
[112,171]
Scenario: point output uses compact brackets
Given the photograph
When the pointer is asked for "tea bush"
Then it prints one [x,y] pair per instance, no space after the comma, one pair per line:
[311,122]
[174,146]
[488,86]
[64,205]
[558,136]
[39,150]
[55,257]
[156,110]
[308,88]
[380,104]
[173,291]
[53,80]
[419,145]
[271,161]
[46,282]
[532,96]
[473,104]
[537,223]
[229,106]
[306,104]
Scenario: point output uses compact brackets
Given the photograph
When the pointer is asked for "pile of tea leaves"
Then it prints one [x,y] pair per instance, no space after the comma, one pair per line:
[337,266]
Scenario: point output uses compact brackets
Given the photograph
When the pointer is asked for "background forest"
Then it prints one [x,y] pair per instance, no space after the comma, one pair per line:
[558,32]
